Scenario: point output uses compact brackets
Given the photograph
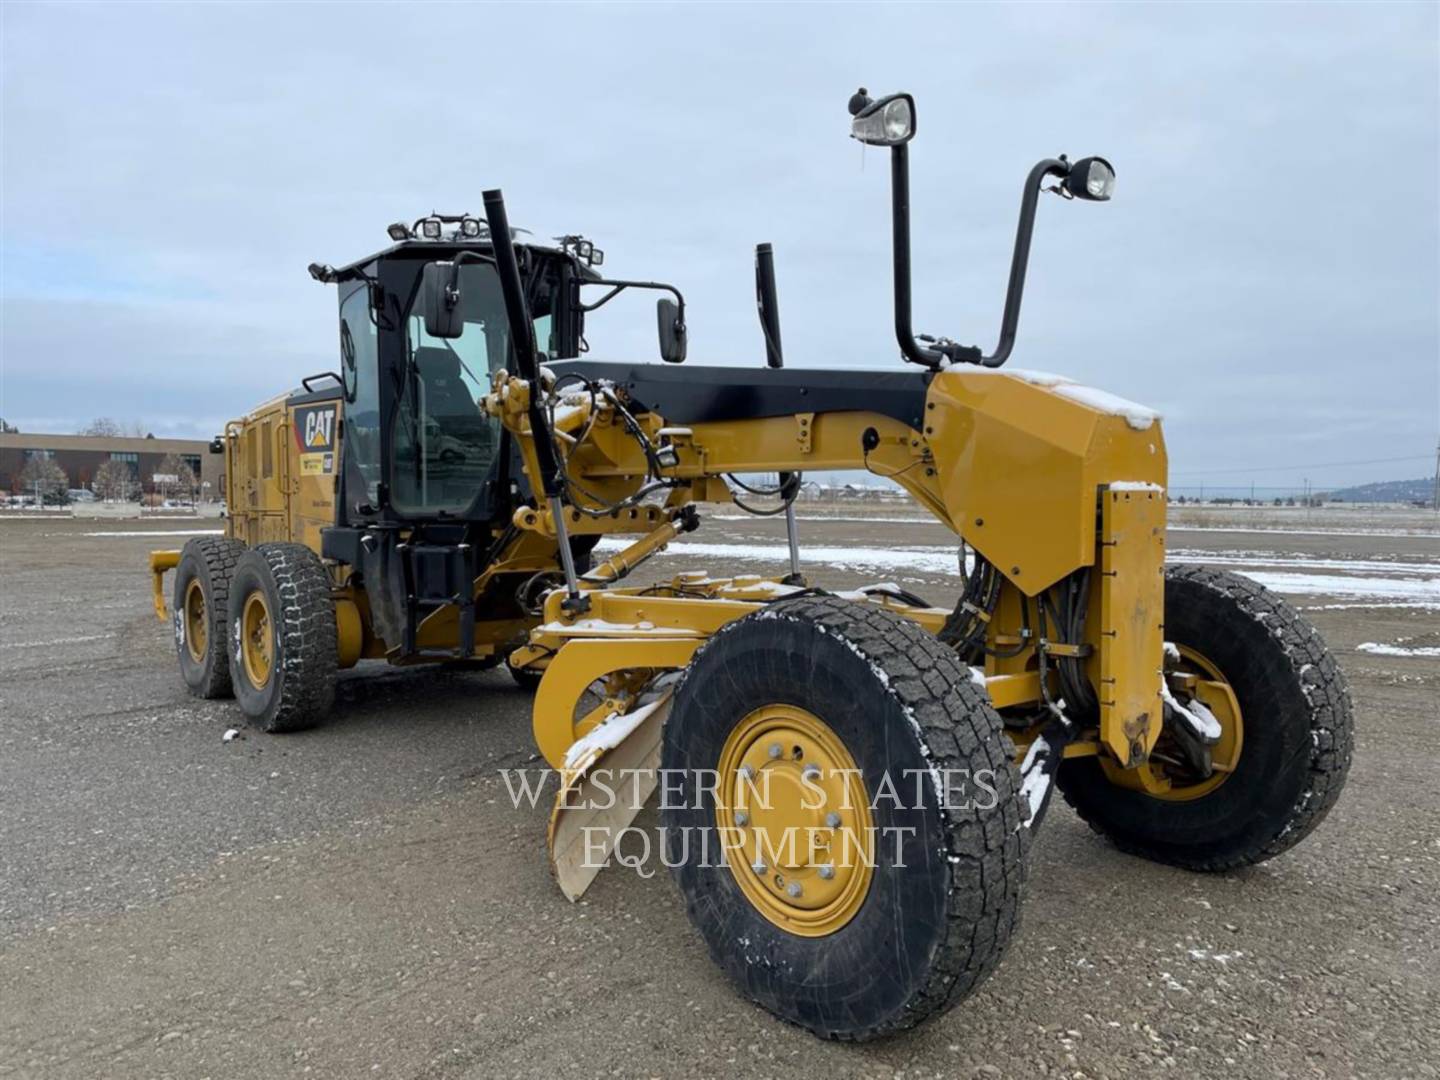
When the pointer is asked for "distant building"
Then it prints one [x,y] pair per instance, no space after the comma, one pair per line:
[82,455]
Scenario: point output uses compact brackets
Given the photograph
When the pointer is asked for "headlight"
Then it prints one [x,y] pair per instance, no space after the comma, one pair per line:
[1091,178]
[887,122]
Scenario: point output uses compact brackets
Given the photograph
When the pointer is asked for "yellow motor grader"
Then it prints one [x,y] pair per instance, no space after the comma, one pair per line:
[847,783]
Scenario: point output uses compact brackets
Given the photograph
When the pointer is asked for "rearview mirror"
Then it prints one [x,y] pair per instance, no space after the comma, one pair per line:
[440,300]
[672,331]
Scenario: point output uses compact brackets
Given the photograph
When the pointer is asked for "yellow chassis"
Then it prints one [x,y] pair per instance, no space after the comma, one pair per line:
[1041,481]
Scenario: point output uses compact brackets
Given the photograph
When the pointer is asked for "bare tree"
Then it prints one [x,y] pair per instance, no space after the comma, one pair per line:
[110,428]
[112,480]
[43,478]
[184,476]
[102,426]
[6,428]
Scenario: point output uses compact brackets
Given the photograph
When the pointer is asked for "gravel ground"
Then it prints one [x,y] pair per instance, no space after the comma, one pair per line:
[363,900]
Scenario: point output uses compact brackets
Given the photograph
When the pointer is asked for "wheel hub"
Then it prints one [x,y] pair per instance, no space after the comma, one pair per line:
[197,627]
[795,820]
[257,642]
[1165,776]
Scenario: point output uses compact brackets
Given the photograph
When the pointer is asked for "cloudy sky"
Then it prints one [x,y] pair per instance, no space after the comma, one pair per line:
[1267,275]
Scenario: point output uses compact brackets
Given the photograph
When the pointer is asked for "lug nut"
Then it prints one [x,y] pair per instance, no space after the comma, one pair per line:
[741,817]
[794,889]
[827,872]
[832,820]
[774,750]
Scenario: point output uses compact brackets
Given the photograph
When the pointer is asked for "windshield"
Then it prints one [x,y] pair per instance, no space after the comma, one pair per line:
[445,444]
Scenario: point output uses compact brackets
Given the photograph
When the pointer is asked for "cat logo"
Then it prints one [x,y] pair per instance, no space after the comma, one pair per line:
[315,429]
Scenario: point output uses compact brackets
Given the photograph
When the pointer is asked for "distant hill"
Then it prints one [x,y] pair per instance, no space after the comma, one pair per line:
[1385,491]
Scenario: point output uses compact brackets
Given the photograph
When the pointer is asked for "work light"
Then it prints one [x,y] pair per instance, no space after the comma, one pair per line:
[398,231]
[469,227]
[887,122]
[430,228]
[1091,178]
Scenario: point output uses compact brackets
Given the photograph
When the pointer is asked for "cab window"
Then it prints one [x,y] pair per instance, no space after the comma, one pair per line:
[445,444]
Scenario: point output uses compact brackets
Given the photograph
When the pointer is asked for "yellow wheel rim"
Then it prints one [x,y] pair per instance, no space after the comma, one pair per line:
[257,640]
[1204,680]
[795,820]
[197,626]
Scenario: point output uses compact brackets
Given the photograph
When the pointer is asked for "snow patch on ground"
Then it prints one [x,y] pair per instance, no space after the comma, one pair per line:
[1283,573]
[1377,649]
[1340,585]
[160,532]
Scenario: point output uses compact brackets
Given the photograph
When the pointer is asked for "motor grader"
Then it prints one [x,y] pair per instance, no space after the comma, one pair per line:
[440,499]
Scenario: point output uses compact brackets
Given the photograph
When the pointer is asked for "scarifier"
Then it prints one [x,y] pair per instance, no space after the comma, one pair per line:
[441,497]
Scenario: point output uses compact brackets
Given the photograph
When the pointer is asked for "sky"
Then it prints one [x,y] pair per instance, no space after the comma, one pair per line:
[1267,276]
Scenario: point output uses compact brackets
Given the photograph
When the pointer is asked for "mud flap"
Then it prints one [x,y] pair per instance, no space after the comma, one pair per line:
[608,777]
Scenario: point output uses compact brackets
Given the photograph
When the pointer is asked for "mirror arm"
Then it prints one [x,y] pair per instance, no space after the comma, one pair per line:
[946,352]
[1020,260]
[621,286]
[452,292]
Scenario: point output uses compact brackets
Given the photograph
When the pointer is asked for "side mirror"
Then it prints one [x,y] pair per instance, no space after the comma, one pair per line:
[672,331]
[440,300]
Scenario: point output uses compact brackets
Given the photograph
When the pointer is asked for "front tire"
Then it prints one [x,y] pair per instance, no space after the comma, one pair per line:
[282,637]
[201,603]
[1297,728]
[845,951]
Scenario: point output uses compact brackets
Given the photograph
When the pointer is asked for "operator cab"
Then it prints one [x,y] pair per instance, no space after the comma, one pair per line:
[419,446]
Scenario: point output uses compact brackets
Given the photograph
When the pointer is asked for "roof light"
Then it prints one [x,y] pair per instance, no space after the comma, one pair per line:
[887,122]
[398,231]
[430,228]
[469,226]
[1091,178]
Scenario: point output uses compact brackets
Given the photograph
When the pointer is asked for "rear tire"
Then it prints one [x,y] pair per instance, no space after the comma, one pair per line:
[282,637]
[941,901]
[201,606]
[1297,732]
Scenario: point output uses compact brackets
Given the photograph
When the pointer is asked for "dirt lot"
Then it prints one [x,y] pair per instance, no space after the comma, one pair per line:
[363,900]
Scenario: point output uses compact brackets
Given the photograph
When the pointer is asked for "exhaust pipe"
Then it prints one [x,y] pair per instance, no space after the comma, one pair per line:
[522,341]
[768,304]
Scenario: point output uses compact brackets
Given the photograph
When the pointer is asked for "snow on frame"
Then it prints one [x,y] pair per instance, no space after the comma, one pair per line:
[1134,485]
[611,733]
[1138,416]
